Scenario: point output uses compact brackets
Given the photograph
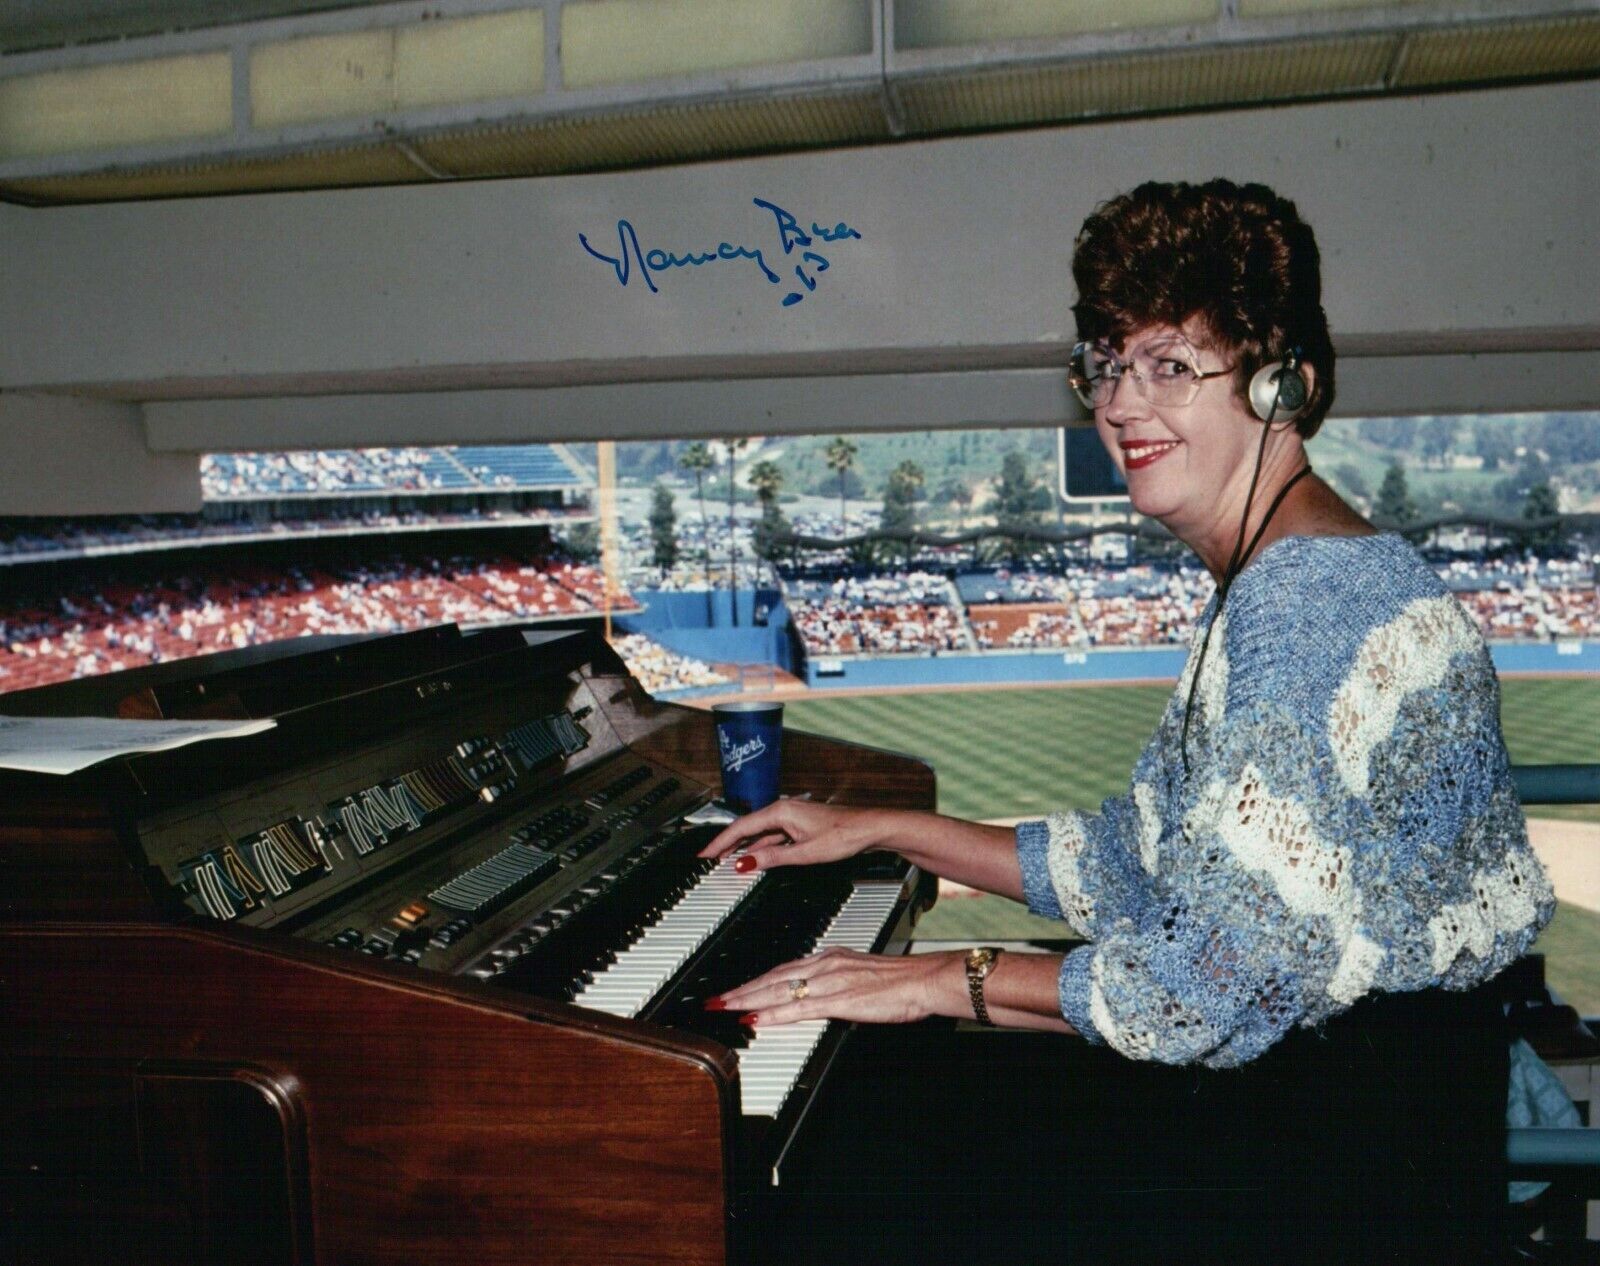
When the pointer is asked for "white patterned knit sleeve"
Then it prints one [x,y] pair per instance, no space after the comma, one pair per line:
[1091,869]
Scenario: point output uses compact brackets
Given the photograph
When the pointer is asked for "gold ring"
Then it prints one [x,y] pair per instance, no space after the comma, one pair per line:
[798,989]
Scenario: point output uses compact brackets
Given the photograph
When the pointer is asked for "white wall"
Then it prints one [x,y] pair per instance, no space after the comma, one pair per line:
[64,456]
[1456,230]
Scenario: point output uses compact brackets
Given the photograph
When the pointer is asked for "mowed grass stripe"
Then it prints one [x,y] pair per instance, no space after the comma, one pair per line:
[1540,717]
[1551,720]
[1541,745]
[1001,753]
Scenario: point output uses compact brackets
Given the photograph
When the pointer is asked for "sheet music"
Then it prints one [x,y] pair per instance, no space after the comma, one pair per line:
[64,745]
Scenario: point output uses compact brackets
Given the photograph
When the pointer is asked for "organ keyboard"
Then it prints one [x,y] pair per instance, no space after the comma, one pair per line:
[418,972]
[771,1063]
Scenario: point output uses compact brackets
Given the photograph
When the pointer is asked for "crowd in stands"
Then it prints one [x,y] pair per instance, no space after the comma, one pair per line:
[1027,627]
[514,465]
[26,540]
[836,628]
[1004,585]
[104,628]
[341,492]
[691,578]
[1082,605]
[912,612]
[93,629]
[1534,614]
[252,476]
[1144,604]
[873,590]
[695,538]
[658,668]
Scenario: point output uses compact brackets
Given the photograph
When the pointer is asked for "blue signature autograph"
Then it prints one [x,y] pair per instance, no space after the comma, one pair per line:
[630,254]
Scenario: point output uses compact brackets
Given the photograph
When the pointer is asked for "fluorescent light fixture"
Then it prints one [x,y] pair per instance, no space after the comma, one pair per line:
[492,55]
[663,134]
[628,41]
[164,126]
[1282,8]
[1144,82]
[1555,46]
[470,59]
[321,77]
[948,23]
[129,103]
[371,164]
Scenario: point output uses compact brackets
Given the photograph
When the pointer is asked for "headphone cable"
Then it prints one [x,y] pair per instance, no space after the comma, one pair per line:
[1236,563]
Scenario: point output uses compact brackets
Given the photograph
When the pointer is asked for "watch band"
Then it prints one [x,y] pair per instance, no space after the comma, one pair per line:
[980,962]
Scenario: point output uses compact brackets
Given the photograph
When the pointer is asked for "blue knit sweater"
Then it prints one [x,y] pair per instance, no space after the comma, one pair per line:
[1347,824]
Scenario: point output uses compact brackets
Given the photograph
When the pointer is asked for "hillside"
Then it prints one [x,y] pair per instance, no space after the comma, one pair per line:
[1482,465]
[973,454]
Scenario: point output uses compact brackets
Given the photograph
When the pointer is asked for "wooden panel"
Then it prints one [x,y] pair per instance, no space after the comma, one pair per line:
[62,859]
[124,1161]
[830,770]
[446,1122]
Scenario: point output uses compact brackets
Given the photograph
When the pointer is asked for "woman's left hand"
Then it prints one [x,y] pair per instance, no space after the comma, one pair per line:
[842,984]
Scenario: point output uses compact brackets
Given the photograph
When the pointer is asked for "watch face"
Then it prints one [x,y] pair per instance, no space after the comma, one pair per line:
[979,958]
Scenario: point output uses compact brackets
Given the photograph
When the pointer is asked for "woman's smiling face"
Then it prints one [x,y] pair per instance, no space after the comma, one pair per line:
[1184,463]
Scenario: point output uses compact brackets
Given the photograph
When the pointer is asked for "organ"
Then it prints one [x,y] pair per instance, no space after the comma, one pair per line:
[416,974]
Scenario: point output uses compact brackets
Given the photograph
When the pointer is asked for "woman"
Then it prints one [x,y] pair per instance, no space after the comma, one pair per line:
[1325,811]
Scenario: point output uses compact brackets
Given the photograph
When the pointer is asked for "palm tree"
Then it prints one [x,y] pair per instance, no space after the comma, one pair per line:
[958,492]
[766,478]
[734,448]
[697,460]
[900,494]
[841,456]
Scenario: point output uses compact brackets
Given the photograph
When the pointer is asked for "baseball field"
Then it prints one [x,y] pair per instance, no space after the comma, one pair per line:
[1011,753]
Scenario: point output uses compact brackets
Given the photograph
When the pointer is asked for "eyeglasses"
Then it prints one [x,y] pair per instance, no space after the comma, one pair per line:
[1165,370]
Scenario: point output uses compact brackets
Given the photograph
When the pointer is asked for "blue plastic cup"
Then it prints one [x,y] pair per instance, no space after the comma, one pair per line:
[749,741]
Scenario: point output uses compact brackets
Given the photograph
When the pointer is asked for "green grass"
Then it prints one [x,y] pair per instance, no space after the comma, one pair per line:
[1003,753]
[1006,753]
[1010,753]
[1553,721]
[1571,949]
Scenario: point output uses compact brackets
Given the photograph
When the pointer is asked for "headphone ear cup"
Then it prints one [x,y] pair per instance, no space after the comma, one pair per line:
[1278,383]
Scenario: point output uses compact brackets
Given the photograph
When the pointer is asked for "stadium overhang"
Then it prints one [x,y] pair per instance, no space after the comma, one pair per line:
[1369,386]
[931,287]
[115,99]
[61,455]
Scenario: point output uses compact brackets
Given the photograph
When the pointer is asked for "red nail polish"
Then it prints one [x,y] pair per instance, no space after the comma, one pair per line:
[714,1004]
[748,1019]
[745,865]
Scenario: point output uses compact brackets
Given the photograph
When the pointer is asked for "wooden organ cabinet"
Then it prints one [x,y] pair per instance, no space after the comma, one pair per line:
[361,987]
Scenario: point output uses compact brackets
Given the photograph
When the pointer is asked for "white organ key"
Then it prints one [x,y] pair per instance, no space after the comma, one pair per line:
[772,1061]
[640,970]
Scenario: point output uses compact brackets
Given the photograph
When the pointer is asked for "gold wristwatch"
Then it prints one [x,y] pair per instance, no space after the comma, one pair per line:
[980,962]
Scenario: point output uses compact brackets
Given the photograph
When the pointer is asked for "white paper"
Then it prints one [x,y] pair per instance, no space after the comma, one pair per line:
[64,745]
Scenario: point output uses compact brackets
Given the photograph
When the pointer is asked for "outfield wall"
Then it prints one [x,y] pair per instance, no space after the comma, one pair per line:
[1046,667]
[703,626]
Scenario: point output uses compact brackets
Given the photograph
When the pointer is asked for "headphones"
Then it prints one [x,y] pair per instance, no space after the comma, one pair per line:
[1279,391]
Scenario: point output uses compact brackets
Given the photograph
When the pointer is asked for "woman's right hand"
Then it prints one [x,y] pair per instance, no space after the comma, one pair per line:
[798,833]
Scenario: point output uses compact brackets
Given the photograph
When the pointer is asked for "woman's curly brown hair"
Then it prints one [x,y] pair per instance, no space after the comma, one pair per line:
[1237,257]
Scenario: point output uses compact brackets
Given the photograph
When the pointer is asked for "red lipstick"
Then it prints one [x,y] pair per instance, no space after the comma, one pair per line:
[1137,454]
